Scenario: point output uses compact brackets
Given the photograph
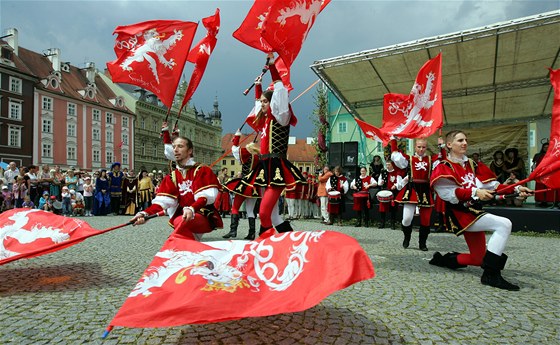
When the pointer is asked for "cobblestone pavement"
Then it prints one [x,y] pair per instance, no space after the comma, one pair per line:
[70,296]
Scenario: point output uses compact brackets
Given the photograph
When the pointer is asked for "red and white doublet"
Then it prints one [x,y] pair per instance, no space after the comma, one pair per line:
[195,186]
[456,184]
[336,202]
[361,196]
[222,202]
[387,180]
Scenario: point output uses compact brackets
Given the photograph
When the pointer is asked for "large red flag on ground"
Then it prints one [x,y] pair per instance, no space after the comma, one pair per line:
[27,233]
[548,170]
[191,282]
[152,55]
[373,132]
[419,114]
[200,54]
[287,24]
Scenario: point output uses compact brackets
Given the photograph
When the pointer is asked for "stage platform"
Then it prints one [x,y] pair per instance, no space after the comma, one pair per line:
[529,217]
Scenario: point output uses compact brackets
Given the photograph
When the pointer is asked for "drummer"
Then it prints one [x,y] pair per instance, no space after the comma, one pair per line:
[389,181]
[361,186]
[337,186]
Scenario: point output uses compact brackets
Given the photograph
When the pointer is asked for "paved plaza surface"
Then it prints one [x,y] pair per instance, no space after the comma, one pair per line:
[70,296]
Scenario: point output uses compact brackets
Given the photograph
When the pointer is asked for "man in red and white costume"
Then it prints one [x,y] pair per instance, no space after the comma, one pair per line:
[463,184]
[390,179]
[248,156]
[417,192]
[361,185]
[187,195]
[272,119]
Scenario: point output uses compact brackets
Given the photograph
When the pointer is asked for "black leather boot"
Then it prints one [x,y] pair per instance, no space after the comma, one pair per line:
[366,218]
[284,227]
[262,230]
[251,235]
[448,260]
[493,265]
[423,237]
[407,231]
[382,224]
[233,227]
[394,220]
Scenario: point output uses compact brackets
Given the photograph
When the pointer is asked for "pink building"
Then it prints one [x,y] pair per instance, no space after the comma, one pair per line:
[77,119]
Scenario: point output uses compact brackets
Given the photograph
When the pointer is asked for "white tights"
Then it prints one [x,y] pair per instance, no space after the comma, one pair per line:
[500,228]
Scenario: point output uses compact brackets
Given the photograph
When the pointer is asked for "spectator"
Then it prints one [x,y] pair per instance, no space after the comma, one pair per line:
[324,176]
[33,183]
[7,199]
[45,179]
[497,166]
[102,200]
[514,163]
[512,179]
[57,182]
[11,174]
[115,177]
[44,202]
[19,191]
[145,190]
[88,196]
[27,203]
[66,201]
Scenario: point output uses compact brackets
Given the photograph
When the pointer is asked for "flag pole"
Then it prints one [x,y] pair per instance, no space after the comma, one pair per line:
[265,68]
[107,331]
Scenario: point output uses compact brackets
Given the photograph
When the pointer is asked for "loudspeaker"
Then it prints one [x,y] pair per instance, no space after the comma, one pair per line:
[350,154]
[335,154]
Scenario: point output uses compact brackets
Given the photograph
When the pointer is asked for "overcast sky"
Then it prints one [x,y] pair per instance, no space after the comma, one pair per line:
[83,31]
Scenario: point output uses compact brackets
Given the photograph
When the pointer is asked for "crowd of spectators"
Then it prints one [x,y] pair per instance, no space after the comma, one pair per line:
[73,192]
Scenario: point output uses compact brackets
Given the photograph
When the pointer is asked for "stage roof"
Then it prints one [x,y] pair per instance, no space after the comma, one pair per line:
[493,74]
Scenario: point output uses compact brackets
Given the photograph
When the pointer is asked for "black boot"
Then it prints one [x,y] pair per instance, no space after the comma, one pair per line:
[366,218]
[233,227]
[394,220]
[382,224]
[493,265]
[407,231]
[251,235]
[423,237]
[262,230]
[448,260]
[359,221]
[284,227]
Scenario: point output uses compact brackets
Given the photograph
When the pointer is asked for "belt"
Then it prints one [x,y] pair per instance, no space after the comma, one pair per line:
[272,155]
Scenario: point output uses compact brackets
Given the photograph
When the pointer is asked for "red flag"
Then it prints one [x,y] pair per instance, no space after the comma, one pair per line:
[373,132]
[284,75]
[419,114]
[190,282]
[201,52]
[250,30]
[287,24]
[548,170]
[152,55]
[27,233]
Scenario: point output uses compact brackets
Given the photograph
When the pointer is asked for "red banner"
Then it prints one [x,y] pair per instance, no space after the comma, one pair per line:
[373,132]
[152,55]
[548,170]
[419,114]
[27,233]
[200,54]
[191,282]
[250,30]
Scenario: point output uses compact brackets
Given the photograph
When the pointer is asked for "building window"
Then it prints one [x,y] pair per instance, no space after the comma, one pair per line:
[125,139]
[47,103]
[143,123]
[109,118]
[108,157]
[342,127]
[95,133]
[15,85]
[47,150]
[15,110]
[47,126]
[96,156]
[155,153]
[109,136]
[143,149]
[125,121]
[224,162]
[155,125]
[71,109]
[71,153]
[232,162]
[71,130]
[14,136]
[125,158]
[96,115]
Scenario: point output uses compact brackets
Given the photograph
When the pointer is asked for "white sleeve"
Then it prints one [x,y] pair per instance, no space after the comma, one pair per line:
[235,151]
[328,184]
[168,150]
[399,159]
[345,186]
[168,204]
[353,184]
[445,189]
[279,104]
[209,193]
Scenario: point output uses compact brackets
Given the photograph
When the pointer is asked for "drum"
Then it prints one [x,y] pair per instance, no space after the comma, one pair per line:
[385,196]
[334,197]
[361,194]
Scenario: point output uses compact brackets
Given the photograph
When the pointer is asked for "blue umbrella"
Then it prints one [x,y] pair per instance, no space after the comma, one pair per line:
[4,165]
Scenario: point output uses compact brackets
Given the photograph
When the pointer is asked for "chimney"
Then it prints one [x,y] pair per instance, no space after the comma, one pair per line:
[90,72]
[54,57]
[13,39]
